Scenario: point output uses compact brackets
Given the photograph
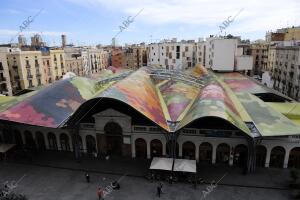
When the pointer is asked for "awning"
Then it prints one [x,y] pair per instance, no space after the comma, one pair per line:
[183,165]
[162,163]
[5,147]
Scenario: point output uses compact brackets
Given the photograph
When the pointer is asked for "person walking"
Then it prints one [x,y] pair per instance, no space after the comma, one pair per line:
[158,190]
[87,177]
[100,193]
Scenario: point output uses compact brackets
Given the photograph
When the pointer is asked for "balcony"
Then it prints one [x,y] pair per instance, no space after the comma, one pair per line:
[29,76]
[28,66]
[37,66]
[38,74]
[15,66]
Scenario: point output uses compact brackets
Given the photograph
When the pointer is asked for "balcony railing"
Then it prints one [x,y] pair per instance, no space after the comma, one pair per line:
[17,77]
[29,76]
[28,66]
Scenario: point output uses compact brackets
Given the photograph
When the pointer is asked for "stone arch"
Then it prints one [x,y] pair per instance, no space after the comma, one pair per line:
[40,140]
[140,148]
[30,143]
[188,150]
[261,154]
[223,153]
[277,157]
[294,158]
[52,141]
[64,142]
[90,144]
[240,155]
[18,138]
[205,152]
[156,148]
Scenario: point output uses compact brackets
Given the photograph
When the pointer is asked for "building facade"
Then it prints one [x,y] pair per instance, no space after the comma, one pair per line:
[5,83]
[26,69]
[173,55]
[259,52]
[226,119]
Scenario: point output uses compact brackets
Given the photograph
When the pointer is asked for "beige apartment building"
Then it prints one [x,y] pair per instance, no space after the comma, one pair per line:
[26,70]
[57,63]
[259,51]
[284,65]
[5,84]
[74,64]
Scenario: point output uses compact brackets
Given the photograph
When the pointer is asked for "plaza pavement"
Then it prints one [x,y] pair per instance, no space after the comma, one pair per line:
[55,176]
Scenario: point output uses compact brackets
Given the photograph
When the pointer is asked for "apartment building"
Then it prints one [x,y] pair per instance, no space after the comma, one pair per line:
[117,55]
[259,52]
[5,84]
[173,55]
[226,54]
[284,65]
[26,70]
[57,63]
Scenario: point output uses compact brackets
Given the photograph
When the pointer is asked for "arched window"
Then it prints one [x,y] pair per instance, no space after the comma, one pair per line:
[294,158]
[52,141]
[40,140]
[140,148]
[277,157]
[90,144]
[64,142]
[205,152]
[240,155]
[156,148]
[261,153]
[29,140]
[188,150]
[223,153]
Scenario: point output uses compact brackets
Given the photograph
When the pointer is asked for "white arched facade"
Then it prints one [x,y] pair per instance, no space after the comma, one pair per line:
[130,133]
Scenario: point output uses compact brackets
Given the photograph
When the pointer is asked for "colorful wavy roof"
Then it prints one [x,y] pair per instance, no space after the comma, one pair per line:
[170,99]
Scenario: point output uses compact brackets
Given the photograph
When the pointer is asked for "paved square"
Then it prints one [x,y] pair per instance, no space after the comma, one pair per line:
[46,183]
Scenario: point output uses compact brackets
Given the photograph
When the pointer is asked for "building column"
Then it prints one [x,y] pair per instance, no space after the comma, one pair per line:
[84,143]
[231,156]
[95,137]
[23,137]
[58,141]
[214,154]
[197,152]
[133,153]
[267,162]
[164,148]
[46,140]
[180,149]
[286,158]
[148,150]
[70,142]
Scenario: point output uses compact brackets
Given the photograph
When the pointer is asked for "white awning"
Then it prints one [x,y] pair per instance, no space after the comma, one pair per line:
[162,163]
[5,147]
[183,165]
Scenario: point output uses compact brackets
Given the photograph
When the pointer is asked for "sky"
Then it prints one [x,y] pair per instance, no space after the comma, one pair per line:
[91,22]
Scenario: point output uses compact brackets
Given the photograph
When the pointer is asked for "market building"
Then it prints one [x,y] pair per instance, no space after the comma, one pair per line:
[217,118]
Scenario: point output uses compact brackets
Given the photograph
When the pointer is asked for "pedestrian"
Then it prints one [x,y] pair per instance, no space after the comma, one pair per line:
[100,193]
[87,177]
[158,189]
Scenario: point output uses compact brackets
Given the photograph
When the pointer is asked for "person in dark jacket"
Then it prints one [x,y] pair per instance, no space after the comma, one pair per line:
[87,177]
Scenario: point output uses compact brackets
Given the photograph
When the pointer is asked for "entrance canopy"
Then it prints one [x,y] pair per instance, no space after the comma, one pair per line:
[162,164]
[183,165]
[5,147]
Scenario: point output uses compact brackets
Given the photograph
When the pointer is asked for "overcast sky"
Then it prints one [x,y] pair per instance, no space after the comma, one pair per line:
[97,21]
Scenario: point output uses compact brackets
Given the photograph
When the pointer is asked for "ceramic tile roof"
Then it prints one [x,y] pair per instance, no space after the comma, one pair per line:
[164,97]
